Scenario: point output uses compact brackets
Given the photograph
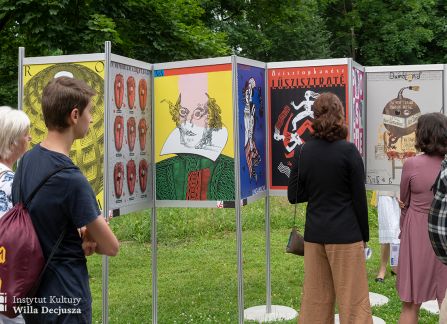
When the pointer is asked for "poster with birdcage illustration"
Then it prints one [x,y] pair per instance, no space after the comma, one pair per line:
[128,123]
[396,97]
[293,88]
[87,153]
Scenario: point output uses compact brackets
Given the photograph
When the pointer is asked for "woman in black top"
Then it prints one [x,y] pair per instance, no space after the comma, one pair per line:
[329,175]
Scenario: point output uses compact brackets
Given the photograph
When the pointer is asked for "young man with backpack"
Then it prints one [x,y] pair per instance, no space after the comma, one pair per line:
[65,207]
[437,225]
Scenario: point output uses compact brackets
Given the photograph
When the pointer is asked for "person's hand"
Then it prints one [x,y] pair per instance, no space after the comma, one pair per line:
[401,204]
[109,217]
[88,245]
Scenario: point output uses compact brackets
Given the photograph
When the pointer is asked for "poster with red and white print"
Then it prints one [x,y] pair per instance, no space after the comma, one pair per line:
[292,92]
[129,147]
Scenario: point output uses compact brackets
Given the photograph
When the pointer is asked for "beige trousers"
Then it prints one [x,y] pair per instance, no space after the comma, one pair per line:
[335,272]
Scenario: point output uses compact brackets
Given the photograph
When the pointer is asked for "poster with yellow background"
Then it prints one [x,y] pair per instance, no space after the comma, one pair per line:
[86,153]
[193,129]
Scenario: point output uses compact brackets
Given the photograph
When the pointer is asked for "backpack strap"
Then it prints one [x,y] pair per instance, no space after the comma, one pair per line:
[36,286]
[52,173]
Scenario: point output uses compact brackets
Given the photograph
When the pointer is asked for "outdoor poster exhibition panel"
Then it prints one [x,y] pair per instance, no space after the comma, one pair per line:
[396,97]
[358,114]
[216,123]
[194,135]
[293,88]
[86,153]
[252,128]
[129,162]
[121,118]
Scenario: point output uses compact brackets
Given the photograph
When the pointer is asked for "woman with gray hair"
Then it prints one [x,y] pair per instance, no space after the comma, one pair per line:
[14,139]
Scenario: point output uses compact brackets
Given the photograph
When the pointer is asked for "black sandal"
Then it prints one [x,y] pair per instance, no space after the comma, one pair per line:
[393,273]
[381,280]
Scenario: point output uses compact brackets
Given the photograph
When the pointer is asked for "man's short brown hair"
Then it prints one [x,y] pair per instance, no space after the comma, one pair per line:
[60,96]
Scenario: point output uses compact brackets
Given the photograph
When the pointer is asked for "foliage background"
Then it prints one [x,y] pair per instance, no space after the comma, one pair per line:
[373,32]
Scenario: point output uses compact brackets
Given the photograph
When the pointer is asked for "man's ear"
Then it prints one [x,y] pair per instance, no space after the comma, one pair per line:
[74,116]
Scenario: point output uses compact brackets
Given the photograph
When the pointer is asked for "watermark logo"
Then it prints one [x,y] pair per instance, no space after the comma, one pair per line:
[3,300]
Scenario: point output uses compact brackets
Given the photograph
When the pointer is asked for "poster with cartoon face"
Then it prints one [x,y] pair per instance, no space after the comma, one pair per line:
[396,99]
[251,115]
[293,91]
[87,153]
[358,110]
[129,132]
[194,144]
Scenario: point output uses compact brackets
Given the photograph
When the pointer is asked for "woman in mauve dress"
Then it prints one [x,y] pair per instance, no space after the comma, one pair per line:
[420,275]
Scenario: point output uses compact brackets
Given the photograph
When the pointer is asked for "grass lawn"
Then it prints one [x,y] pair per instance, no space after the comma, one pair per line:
[197,266]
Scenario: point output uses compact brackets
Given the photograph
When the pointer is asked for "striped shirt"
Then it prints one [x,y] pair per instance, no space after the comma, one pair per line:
[437,216]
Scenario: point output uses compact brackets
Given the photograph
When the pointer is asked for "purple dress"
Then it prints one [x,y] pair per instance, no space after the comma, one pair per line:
[420,275]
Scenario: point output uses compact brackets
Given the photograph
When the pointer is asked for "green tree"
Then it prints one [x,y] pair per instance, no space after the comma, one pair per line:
[169,30]
[271,30]
[152,31]
[382,32]
[437,49]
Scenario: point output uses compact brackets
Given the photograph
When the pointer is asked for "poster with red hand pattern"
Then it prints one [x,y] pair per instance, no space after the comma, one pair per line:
[129,127]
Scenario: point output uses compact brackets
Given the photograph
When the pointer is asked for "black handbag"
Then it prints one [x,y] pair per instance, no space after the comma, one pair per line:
[295,244]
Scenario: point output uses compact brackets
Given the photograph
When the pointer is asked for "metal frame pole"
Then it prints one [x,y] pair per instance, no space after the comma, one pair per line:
[105,258]
[237,195]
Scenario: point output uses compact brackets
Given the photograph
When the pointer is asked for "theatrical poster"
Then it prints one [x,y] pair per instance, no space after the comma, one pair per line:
[293,91]
[86,153]
[358,110]
[129,127]
[395,101]
[193,129]
[251,114]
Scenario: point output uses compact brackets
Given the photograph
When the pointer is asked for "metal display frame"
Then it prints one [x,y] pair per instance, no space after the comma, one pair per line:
[154,243]
[107,57]
[237,196]
[398,68]
[238,202]
[261,313]
[105,258]
[231,61]
[267,312]
[110,58]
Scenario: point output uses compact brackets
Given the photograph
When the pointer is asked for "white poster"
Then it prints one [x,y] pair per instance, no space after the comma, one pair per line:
[129,147]
[395,100]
